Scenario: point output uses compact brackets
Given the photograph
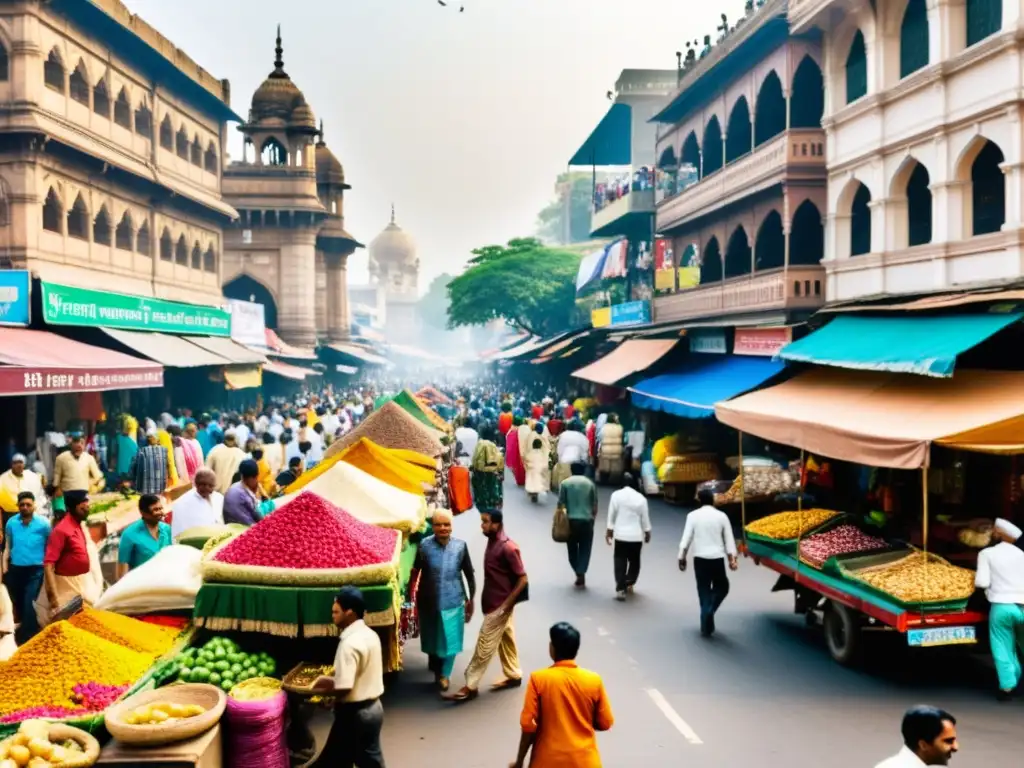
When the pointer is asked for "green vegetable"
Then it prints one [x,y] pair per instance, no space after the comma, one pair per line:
[219,653]
[214,678]
[221,666]
[236,668]
[227,685]
[234,658]
[200,675]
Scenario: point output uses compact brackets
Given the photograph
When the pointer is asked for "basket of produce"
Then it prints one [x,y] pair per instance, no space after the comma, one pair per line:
[757,483]
[197,536]
[917,579]
[783,529]
[836,538]
[302,676]
[222,663]
[689,468]
[40,744]
[166,715]
[255,689]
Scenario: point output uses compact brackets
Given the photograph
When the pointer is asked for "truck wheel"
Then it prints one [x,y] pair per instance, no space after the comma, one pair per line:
[842,633]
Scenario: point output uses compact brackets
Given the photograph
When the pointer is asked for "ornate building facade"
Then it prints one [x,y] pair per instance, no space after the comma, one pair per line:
[289,248]
[394,271]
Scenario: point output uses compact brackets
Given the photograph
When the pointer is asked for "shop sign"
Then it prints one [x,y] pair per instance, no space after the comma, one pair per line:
[14,297]
[601,317]
[248,323]
[762,342]
[65,305]
[631,313]
[54,380]
[710,342]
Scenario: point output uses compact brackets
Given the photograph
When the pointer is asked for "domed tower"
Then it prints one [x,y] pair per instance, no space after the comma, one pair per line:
[271,250]
[395,267]
[333,245]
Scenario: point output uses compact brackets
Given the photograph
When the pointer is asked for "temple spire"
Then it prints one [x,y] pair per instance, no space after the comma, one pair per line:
[322,141]
[392,213]
[279,51]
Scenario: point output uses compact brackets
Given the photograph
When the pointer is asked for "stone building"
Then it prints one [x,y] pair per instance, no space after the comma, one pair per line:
[289,248]
[394,283]
[111,148]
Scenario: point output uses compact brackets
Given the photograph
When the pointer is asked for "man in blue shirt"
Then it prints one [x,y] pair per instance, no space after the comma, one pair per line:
[242,502]
[144,538]
[26,537]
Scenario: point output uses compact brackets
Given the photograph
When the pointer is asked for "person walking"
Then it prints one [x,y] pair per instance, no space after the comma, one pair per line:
[357,685]
[577,495]
[929,738]
[149,467]
[1001,574]
[505,585]
[444,603]
[629,528]
[487,472]
[24,550]
[708,532]
[224,459]
[564,708]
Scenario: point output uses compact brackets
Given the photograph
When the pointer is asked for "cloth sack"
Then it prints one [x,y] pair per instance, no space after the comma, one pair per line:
[560,525]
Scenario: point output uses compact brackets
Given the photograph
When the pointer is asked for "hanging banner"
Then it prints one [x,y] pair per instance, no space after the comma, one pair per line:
[631,313]
[601,317]
[66,305]
[708,342]
[14,297]
[761,342]
[616,260]
[248,323]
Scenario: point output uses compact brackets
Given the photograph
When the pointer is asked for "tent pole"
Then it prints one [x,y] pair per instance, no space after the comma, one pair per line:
[743,494]
[924,505]
[800,515]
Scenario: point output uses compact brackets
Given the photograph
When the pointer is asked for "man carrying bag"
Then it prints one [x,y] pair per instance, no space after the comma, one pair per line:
[574,520]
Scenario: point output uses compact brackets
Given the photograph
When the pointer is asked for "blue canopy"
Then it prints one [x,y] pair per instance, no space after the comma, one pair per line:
[692,390]
[611,142]
[926,345]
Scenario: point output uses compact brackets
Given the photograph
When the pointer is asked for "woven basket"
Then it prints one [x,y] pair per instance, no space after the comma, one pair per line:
[59,732]
[208,696]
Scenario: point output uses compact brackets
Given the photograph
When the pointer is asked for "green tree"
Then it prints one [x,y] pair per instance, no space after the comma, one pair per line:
[433,307]
[525,283]
[579,186]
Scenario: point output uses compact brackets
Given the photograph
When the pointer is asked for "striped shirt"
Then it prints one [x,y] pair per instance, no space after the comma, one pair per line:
[149,473]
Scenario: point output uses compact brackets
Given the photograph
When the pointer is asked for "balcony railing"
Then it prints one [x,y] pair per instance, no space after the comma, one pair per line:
[641,201]
[798,287]
[756,171]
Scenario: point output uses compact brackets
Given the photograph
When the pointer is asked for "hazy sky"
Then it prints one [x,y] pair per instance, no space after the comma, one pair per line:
[462,119]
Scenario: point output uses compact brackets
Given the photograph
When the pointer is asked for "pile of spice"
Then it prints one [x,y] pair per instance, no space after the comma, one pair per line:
[126,631]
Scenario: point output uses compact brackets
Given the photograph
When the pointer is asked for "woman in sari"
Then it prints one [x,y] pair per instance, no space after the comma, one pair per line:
[513,458]
[445,604]
[487,472]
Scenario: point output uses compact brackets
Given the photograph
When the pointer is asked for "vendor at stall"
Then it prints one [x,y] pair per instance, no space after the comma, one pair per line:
[143,538]
[1001,574]
[71,564]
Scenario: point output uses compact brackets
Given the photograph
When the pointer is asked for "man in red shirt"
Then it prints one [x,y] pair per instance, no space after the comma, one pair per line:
[67,564]
[505,585]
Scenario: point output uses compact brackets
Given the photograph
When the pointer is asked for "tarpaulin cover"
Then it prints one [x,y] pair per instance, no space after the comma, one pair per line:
[626,359]
[692,390]
[926,345]
[166,349]
[611,142]
[293,372]
[884,419]
[229,349]
[243,377]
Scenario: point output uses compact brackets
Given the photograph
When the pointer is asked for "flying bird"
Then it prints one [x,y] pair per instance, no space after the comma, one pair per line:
[442,2]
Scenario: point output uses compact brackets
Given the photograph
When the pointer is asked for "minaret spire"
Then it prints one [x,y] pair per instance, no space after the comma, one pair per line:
[279,51]
[392,213]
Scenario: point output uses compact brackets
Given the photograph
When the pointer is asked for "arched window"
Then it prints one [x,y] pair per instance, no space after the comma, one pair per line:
[181,252]
[860,222]
[713,150]
[181,143]
[739,139]
[770,249]
[273,152]
[79,83]
[101,228]
[123,237]
[914,38]
[53,72]
[737,254]
[988,190]
[196,152]
[919,207]
[101,99]
[856,69]
[807,98]
[123,110]
[210,159]
[806,236]
[197,256]
[142,244]
[984,19]
[53,213]
[711,263]
[770,112]
[144,121]
[78,220]
[167,134]
[689,163]
[210,260]
[166,246]
[5,64]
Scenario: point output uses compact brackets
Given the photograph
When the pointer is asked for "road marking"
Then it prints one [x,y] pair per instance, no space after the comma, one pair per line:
[603,632]
[673,717]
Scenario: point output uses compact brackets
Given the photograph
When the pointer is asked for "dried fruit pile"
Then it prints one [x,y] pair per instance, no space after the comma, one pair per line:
[308,541]
[841,540]
[391,427]
[921,578]
[49,670]
[784,526]
[125,631]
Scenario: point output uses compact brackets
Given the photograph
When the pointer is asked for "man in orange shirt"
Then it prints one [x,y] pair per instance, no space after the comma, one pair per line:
[565,707]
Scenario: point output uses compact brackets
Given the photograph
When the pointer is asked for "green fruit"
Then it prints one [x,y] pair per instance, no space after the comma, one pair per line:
[227,685]
[234,658]
[236,668]
[214,678]
[186,662]
[219,653]
[221,666]
[200,675]
[252,672]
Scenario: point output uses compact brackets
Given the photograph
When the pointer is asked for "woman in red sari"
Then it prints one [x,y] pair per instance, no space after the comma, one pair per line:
[513,457]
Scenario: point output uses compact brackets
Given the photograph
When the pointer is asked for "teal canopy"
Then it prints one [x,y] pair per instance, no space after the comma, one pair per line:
[611,142]
[926,345]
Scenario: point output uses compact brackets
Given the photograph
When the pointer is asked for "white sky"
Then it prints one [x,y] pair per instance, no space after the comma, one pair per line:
[462,119]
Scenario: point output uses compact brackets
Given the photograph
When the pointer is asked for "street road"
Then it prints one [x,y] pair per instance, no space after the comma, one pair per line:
[762,692]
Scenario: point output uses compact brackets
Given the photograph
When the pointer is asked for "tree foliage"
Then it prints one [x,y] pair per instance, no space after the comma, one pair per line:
[551,225]
[524,283]
[433,307]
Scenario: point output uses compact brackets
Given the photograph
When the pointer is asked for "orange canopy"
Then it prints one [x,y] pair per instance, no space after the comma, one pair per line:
[626,359]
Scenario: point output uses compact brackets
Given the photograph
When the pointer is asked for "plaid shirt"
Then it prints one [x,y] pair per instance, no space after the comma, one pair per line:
[149,469]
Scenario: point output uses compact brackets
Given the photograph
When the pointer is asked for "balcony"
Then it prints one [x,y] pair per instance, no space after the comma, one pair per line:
[780,290]
[793,155]
[617,217]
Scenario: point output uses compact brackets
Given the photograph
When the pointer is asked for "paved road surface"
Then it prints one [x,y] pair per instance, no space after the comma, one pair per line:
[763,692]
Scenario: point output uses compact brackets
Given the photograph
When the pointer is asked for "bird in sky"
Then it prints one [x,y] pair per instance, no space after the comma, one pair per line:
[442,2]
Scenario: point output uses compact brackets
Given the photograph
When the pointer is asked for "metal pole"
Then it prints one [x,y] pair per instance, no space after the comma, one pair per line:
[800,514]
[743,495]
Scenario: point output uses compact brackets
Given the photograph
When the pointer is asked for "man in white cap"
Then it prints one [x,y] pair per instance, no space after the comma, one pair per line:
[1001,574]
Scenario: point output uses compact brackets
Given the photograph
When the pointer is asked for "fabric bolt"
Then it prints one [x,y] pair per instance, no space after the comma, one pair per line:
[497,636]
[712,589]
[1006,636]
[580,545]
[149,470]
[27,541]
[138,546]
[626,563]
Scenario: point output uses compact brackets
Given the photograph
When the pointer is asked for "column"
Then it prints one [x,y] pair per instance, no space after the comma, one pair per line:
[338,324]
[297,310]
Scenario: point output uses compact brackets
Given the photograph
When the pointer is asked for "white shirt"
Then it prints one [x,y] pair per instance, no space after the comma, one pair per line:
[469,438]
[1001,574]
[358,667]
[707,535]
[192,510]
[573,447]
[628,516]
[902,759]
[316,450]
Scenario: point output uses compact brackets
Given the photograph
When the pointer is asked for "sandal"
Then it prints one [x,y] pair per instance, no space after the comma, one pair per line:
[464,695]
[507,684]
[443,683]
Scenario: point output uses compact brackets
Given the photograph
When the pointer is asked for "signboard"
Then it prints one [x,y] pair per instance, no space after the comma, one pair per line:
[708,342]
[762,342]
[54,379]
[631,313]
[601,317]
[248,323]
[14,297]
[65,305]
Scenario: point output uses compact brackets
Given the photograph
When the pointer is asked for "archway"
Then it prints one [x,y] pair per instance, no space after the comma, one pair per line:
[737,254]
[273,152]
[856,69]
[988,190]
[246,288]
[668,169]
[860,222]
[984,18]
[689,161]
[807,99]
[914,38]
[738,140]
[713,156]
[770,113]
[806,236]
[770,250]
[711,263]
[919,207]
